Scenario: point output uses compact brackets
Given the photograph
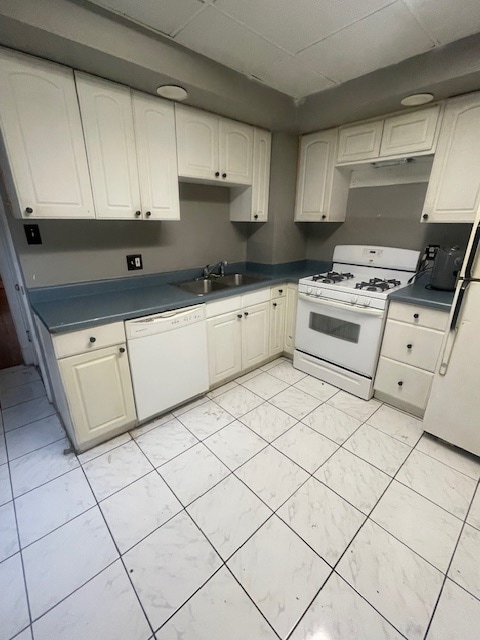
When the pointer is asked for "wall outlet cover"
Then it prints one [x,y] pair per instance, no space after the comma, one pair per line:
[134,262]
[32,233]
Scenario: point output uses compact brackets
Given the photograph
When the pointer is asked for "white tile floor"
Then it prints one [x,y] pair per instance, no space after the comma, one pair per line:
[274,507]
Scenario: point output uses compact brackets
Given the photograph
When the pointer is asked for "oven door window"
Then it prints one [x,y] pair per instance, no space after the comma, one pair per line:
[334,327]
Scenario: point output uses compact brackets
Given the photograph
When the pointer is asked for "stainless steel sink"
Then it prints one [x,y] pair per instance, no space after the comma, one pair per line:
[239,279]
[200,287]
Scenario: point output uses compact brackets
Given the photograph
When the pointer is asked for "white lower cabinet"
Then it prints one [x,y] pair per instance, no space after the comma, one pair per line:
[224,335]
[255,335]
[290,318]
[408,357]
[277,333]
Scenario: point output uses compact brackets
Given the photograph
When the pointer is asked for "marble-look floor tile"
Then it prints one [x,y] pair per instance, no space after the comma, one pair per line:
[25,635]
[65,559]
[152,424]
[228,514]
[333,423]
[188,406]
[33,436]
[106,608]
[295,402]
[44,509]
[169,565]
[324,520]
[281,578]
[397,424]
[384,452]
[16,376]
[22,414]
[193,472]
[457,615]
[473,516]
[423,526]
[8,532]
[3,450]
[5,487]
[139,509]
[205,419]
[285,371]
[355,407]
[265,385]
[165,442]
[400,584]
[238,401]
[272,476]
[357,481]
[464,569]
[316,388]
[116,469]
[24,393]
[40,466]
[305,446]
[13,602]
[105,447]
[222,389]
[268,421]
[338,613]
[235,444]
[443,485]
[450,455]
[220,610]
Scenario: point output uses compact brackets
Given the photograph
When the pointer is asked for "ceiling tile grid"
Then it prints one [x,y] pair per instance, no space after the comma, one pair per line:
[300,47]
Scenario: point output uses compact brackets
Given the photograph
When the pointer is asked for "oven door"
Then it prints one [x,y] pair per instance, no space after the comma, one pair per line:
[339,333]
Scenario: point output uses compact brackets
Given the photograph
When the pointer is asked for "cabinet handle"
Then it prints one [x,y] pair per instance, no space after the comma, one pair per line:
[122,349]
[239,316]
[217,174]
[148,214]
[324,217]
[400,383]
[246,313]
[425,216]
[256,216]
[274,304]
[92,339]
[409,346]
[29,210]
[416,316]
[138,213]
[280,291]
[224,175]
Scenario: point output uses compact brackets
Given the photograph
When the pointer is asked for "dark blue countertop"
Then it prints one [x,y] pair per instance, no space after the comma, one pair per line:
[87,304]
[418,293]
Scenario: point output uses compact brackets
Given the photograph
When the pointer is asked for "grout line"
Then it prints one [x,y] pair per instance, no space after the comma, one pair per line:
[36,449]
[27,424]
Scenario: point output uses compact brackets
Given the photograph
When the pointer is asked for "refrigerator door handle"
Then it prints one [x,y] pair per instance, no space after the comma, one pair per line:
[472,254]
[452,334]
[458,304]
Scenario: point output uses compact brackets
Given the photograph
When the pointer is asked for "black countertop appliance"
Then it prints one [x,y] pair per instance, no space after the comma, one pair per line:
[447,264]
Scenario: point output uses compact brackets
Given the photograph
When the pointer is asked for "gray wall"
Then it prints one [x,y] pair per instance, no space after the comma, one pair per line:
[79,250]
[279,239]
[386,216]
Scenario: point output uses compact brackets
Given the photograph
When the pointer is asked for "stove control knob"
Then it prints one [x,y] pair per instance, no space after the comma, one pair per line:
[309,291]
[366,302]
[354,299]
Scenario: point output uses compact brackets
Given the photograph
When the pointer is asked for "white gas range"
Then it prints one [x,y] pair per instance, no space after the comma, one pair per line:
[341,314]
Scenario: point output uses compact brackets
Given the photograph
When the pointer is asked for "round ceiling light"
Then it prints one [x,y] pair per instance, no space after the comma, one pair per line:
[416,99]
[172,92]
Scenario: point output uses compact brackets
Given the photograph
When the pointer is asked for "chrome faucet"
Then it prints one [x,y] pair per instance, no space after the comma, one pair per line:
[208,270]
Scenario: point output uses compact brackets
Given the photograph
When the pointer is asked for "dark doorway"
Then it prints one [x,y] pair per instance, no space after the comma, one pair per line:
[10,352]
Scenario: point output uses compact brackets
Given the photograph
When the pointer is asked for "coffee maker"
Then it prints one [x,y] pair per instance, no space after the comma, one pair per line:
[446,266]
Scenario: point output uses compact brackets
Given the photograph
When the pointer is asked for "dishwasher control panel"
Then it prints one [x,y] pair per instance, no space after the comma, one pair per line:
[166,321]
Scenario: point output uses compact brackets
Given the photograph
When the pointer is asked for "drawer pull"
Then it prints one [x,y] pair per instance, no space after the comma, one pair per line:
[274,304]
[400,383]
[280,291]
[122,349]
[239,316]
[416,316]
[246,313]
[409,346]
[92,339]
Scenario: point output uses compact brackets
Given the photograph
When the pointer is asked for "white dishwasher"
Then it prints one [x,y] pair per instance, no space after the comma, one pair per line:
[168,359]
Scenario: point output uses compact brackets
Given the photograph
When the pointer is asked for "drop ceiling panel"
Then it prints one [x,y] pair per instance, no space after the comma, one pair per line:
[295,24]
[383,38]
[291,77]
[165,16]
[447,20]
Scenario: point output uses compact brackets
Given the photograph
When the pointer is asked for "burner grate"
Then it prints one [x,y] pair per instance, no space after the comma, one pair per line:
[378,284]
[332,277]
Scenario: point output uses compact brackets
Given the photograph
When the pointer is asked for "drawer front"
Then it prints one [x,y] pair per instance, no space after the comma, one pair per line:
[256,297]
[403,383]
[225,305]
[70,344]
[280,291]
[416,346]
[418,315]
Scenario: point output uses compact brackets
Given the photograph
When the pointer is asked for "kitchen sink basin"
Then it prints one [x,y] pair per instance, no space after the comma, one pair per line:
[239,279]
[200,287]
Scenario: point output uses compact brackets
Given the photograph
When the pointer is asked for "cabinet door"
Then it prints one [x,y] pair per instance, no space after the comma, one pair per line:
[291,317]
[99,392]
[197,143]
[315,175]
[236,152]
[107,117]
[255,334]
[410,132]
[278,308]
[453,193]
[360,142]
[224,334]
[157,157]
[261,174]
[42,133]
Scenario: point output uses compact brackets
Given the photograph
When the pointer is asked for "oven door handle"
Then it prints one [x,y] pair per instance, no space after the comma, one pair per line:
[379,313]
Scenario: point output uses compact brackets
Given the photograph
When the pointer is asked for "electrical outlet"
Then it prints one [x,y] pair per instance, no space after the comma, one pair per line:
[134,262]
[431,251]
[32,233]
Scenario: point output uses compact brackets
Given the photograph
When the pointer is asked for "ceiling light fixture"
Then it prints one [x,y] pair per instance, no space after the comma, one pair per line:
[172,92]
[417,99]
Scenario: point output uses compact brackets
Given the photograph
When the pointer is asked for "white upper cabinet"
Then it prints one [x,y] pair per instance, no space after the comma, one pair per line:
[322,190]
[261,174]
[212,148]
[107,118]
[359,142]
[453,193]
[157,157]
[43,138]
[413,132]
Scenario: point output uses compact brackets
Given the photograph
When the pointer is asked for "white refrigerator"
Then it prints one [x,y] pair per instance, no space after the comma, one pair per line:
[453,410]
